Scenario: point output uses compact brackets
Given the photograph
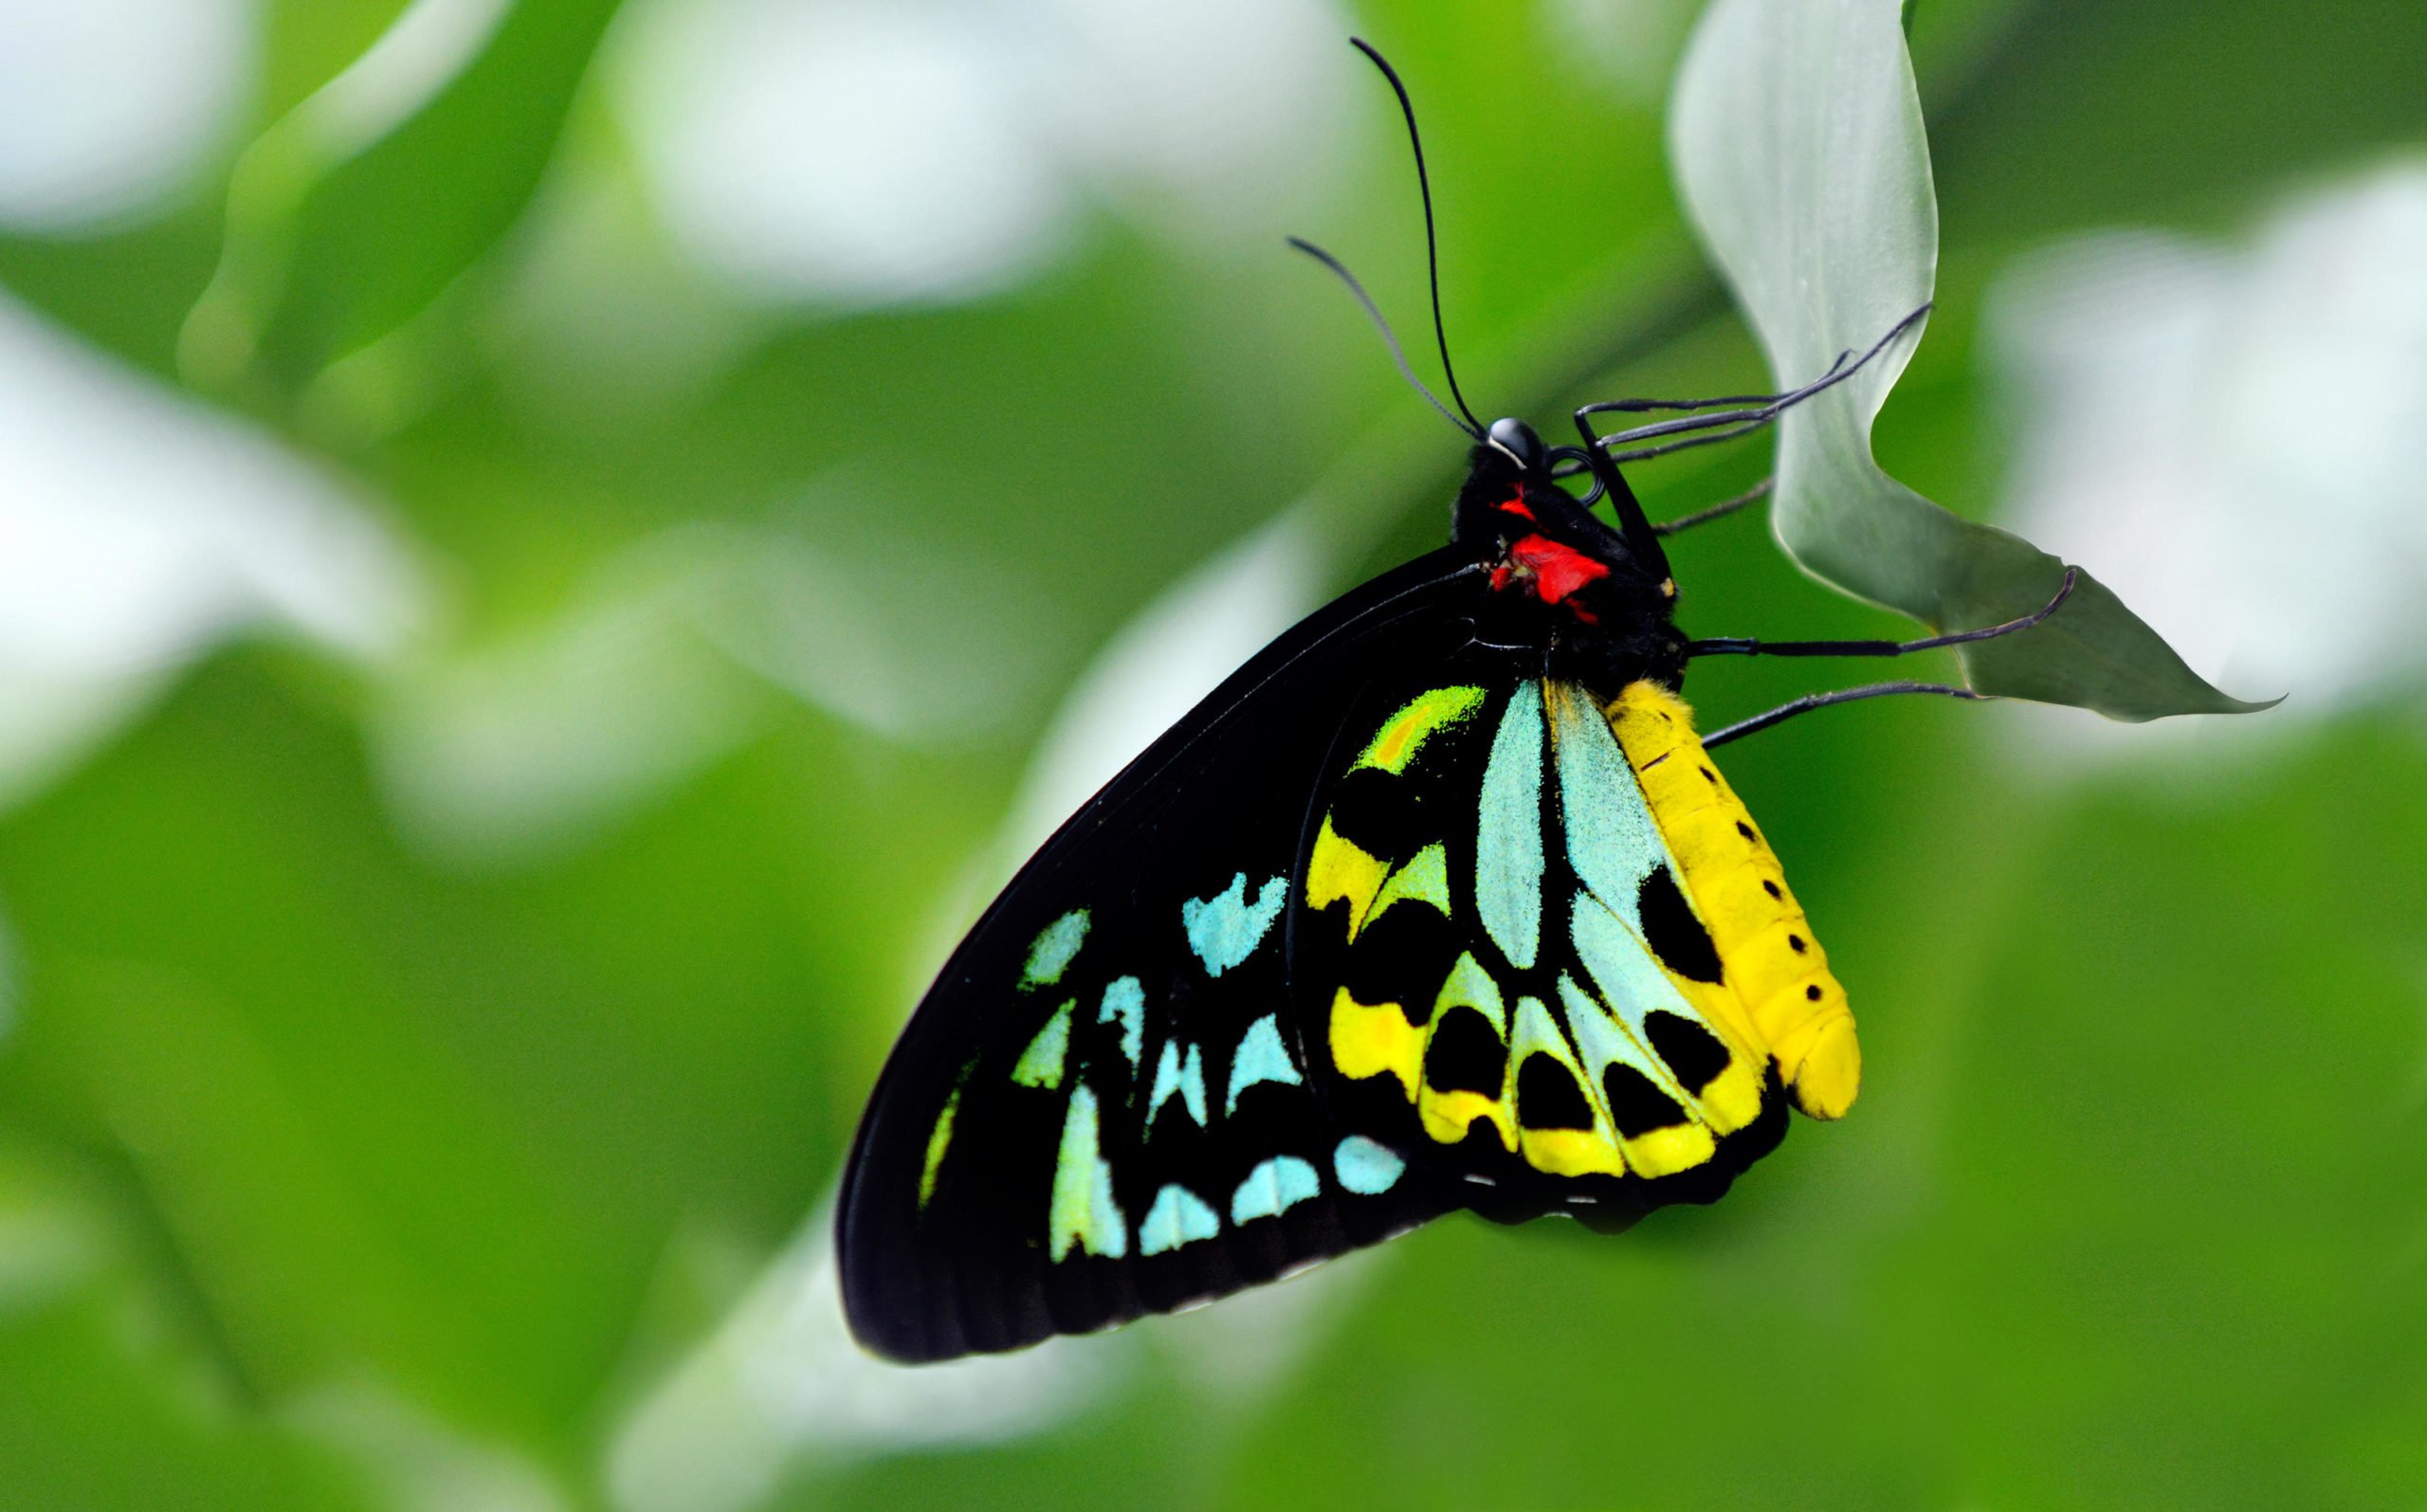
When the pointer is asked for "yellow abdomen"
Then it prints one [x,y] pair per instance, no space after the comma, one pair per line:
[1766,952]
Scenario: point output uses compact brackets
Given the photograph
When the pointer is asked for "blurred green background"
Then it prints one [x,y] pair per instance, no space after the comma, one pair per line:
[546,548]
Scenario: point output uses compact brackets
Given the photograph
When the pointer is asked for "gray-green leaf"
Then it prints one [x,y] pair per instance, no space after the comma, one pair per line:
[1797,135]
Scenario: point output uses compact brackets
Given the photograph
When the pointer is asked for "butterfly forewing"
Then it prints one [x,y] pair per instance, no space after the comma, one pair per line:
[1104,1106]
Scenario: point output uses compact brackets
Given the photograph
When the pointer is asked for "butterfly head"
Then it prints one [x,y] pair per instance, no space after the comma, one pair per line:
[1515,439]
[1545,553]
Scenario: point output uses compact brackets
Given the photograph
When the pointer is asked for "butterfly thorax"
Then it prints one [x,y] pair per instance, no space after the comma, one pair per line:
[1559,575]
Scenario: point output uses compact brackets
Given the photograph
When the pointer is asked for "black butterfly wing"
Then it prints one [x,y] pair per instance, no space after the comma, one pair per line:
[1106,1104]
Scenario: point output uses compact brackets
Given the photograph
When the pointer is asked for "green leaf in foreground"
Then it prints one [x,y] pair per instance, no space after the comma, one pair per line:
[1797,140]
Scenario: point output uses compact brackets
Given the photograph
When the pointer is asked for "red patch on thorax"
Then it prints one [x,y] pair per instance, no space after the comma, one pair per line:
[1556,571]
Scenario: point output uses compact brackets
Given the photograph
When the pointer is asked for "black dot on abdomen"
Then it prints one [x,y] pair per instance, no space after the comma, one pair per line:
[1549,1098]
[1465,1054]
[1636,1103]
[1672,929]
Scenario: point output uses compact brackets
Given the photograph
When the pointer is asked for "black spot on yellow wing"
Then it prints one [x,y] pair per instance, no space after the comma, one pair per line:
[1401,957]
[1672,931]
[1637,1106]
[1466,1054]
[1549,1098]
[1380,812]
[1694,1052]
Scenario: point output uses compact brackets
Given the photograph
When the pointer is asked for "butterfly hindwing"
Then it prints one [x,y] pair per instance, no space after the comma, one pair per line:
[1508,964]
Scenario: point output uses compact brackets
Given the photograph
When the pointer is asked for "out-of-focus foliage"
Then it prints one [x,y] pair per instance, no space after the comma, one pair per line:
[521,639]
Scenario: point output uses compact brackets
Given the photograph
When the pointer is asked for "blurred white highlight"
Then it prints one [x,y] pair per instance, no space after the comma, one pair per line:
[674,652]
[853,151]
[780,1388]
[856,152]
[109,108]
[520,746]
[416,57]
[2239,438]
[417,1463]
[1632,44]
[138,528]
[780,1383]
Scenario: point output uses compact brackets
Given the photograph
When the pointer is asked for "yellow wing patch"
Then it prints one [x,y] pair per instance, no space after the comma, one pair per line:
[1396,744]
[1767,954]
[1370,1038]
[1340,869]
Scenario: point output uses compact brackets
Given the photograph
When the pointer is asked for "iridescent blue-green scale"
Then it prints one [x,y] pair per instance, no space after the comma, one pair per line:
[1508,832]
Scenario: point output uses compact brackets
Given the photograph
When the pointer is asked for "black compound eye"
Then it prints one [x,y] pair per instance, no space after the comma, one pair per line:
[1517,438]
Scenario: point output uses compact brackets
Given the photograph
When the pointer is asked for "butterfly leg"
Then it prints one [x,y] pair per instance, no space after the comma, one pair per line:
[1719,511]
[1722,424]
[1821,700]
[1748,646]
[1646,406]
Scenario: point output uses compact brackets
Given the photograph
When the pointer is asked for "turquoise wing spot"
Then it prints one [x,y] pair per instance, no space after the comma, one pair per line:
[1040,1064]
[1622,966]
[1632,984]
[1056,947]
[1365,1167]
[1224,929]
[1612,841]
[1181,1076]
[1261,1058]
[1082,1211]
[1508,833]
[1601,1044]
[1124,1003]
[1273,1188]
[1178,1216]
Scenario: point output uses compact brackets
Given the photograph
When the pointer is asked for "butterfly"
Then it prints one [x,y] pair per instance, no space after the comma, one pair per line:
[1437,903]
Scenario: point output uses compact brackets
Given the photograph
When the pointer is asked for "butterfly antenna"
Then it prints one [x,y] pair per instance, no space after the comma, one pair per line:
[1398,354]
[1432,246]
